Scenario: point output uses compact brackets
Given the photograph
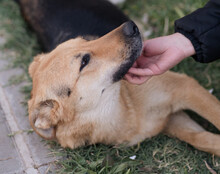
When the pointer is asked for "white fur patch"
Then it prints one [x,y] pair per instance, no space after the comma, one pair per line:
[107,106]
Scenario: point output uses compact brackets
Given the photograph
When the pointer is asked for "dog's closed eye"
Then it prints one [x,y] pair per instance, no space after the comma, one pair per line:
[85,61]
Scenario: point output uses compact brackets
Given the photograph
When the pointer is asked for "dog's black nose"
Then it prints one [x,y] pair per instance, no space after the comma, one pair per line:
[130,29]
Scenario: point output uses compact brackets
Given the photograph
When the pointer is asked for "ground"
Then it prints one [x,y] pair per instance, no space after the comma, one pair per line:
[160,154]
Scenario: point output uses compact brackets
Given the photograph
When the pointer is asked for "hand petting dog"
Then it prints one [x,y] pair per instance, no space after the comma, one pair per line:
[158,56]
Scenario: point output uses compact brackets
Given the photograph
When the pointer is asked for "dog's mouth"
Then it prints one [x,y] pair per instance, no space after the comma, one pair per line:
[133,48]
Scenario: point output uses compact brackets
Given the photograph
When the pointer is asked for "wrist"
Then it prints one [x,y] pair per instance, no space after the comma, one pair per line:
[183,44]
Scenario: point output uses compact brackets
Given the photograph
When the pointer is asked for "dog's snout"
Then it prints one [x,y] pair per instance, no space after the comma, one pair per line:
[130,29]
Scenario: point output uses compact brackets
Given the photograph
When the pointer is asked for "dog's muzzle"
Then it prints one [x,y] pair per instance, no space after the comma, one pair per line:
[133,46]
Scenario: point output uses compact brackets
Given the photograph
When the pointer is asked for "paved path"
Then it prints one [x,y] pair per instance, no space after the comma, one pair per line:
[22,152]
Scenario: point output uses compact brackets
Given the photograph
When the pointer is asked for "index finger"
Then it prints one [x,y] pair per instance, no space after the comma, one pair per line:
[140,71]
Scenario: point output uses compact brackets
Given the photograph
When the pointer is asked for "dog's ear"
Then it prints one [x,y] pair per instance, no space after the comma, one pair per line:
[44,118]
[33,66]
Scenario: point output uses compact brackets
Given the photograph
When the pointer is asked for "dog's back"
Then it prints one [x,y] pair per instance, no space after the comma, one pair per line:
[56,21]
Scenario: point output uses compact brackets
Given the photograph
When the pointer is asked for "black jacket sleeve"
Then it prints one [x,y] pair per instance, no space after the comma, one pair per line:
[202,28]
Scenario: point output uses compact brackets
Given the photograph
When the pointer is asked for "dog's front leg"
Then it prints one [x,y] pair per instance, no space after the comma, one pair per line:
[194,97]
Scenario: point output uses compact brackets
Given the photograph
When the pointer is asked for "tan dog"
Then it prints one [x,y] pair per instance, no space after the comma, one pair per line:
[78,97]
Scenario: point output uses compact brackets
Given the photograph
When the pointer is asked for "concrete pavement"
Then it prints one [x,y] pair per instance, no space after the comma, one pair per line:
[22,152]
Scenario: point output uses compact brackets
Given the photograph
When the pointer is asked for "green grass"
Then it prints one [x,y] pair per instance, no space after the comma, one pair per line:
[160,11]
[160,154]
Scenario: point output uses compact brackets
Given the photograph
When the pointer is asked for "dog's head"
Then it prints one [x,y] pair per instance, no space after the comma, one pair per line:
[73,77]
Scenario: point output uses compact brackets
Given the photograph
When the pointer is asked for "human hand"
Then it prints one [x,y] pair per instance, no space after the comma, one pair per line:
[158,56]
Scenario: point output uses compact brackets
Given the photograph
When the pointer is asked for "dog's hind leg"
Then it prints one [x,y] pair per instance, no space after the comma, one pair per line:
[184,128]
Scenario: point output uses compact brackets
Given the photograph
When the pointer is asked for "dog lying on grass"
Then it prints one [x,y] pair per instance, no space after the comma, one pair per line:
[78,94]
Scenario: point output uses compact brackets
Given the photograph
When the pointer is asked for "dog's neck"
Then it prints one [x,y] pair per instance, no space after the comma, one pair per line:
[107,121]
[107,107]
[109,117]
